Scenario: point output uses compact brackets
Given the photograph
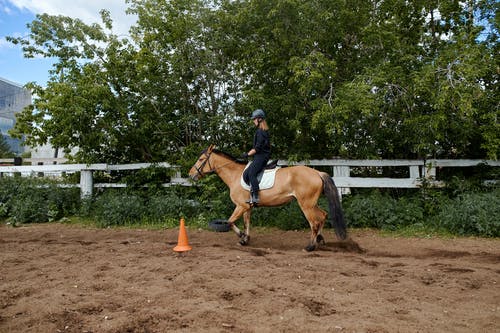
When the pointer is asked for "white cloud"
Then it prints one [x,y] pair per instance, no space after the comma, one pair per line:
[4,44]
[6,10]
[86,10]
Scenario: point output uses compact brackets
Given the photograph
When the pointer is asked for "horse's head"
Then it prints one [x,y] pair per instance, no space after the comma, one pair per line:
[202,166]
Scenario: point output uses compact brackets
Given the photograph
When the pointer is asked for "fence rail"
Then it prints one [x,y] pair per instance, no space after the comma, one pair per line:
[86,172]
[419,171]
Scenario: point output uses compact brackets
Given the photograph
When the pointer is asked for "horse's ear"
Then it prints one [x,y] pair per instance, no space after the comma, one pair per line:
[210,148]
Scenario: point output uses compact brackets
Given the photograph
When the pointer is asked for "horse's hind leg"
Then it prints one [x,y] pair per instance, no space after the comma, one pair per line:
[316,218]
[320,239]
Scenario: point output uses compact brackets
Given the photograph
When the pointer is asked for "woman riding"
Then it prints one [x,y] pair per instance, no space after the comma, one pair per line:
[261,152]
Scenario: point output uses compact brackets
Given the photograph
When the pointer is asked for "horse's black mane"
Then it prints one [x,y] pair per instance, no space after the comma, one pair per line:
[231,157]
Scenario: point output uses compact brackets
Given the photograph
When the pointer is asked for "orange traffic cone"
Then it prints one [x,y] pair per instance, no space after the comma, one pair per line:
[182,242]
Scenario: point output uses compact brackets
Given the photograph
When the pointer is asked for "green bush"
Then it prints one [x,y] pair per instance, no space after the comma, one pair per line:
[169,206]
[432,201]
[472,214]
[288,217]
[214,199]
[381,211]
[24,200]
[118,207]
[8,188]
[114,208]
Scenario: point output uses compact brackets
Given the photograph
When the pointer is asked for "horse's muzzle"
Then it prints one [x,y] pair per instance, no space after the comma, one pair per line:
[195,175]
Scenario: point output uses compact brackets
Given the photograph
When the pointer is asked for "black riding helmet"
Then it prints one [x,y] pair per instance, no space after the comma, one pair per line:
[258,114]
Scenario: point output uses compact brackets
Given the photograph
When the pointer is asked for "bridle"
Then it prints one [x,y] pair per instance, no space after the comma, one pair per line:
[199,169]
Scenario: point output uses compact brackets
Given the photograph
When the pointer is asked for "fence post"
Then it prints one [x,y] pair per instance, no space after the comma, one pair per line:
[86,183]
[414,172]
[342,171]
[40,174]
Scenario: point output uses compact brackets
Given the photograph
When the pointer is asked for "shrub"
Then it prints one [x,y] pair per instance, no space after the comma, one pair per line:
[472,214]
[26,200]
[432,201]
[169,206]
[113,208]
[8,188]
[381,211]
[288,217]
[148,206]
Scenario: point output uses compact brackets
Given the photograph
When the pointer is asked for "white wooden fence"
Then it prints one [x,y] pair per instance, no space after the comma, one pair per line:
[86,172]
[419,171]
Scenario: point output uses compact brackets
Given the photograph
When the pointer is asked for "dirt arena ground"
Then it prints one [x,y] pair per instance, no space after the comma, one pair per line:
[63,278]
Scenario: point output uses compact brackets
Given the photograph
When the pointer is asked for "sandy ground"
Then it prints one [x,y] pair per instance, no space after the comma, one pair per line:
[63,278]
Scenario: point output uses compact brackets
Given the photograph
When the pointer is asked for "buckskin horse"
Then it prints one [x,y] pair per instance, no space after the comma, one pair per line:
[300,182]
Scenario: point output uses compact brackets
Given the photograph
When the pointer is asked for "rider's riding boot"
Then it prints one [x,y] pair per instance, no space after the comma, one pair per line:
[254,198]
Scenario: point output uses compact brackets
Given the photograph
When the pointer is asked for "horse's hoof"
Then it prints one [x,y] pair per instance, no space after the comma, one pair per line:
[310,248]
[244,239]
[320,239]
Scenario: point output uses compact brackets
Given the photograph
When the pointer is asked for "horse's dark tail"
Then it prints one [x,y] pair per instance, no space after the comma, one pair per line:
[336,214]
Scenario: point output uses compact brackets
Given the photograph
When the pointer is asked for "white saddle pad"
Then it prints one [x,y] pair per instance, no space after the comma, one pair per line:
[266,182]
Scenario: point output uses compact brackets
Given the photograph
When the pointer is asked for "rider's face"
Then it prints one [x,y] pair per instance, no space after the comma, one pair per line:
[256,122]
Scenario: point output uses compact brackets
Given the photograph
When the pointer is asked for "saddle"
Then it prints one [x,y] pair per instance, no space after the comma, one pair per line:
[265,177]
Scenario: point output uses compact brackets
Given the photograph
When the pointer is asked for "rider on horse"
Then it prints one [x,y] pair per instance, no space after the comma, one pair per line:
[261,152]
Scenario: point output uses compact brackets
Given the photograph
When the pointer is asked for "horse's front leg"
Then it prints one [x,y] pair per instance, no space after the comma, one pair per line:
[245,237]
[238,211]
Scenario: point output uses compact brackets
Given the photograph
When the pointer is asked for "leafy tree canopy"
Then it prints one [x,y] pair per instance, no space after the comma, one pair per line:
[359,79]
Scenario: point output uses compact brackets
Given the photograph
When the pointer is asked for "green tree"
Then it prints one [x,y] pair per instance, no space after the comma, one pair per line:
[293,54]
[4,147]
[133,99]
[185,45]
[85,104]
[364,79]
[424,75]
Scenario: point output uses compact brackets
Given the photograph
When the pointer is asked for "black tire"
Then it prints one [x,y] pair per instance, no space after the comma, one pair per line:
[219,225]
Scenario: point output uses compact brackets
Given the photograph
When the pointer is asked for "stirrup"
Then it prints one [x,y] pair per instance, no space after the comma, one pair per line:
[252,204]
[254,199]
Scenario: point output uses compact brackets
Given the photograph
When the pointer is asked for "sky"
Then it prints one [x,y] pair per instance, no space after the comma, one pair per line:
[16,14]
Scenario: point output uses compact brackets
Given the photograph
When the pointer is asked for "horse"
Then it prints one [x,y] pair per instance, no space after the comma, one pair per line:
[302,183]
